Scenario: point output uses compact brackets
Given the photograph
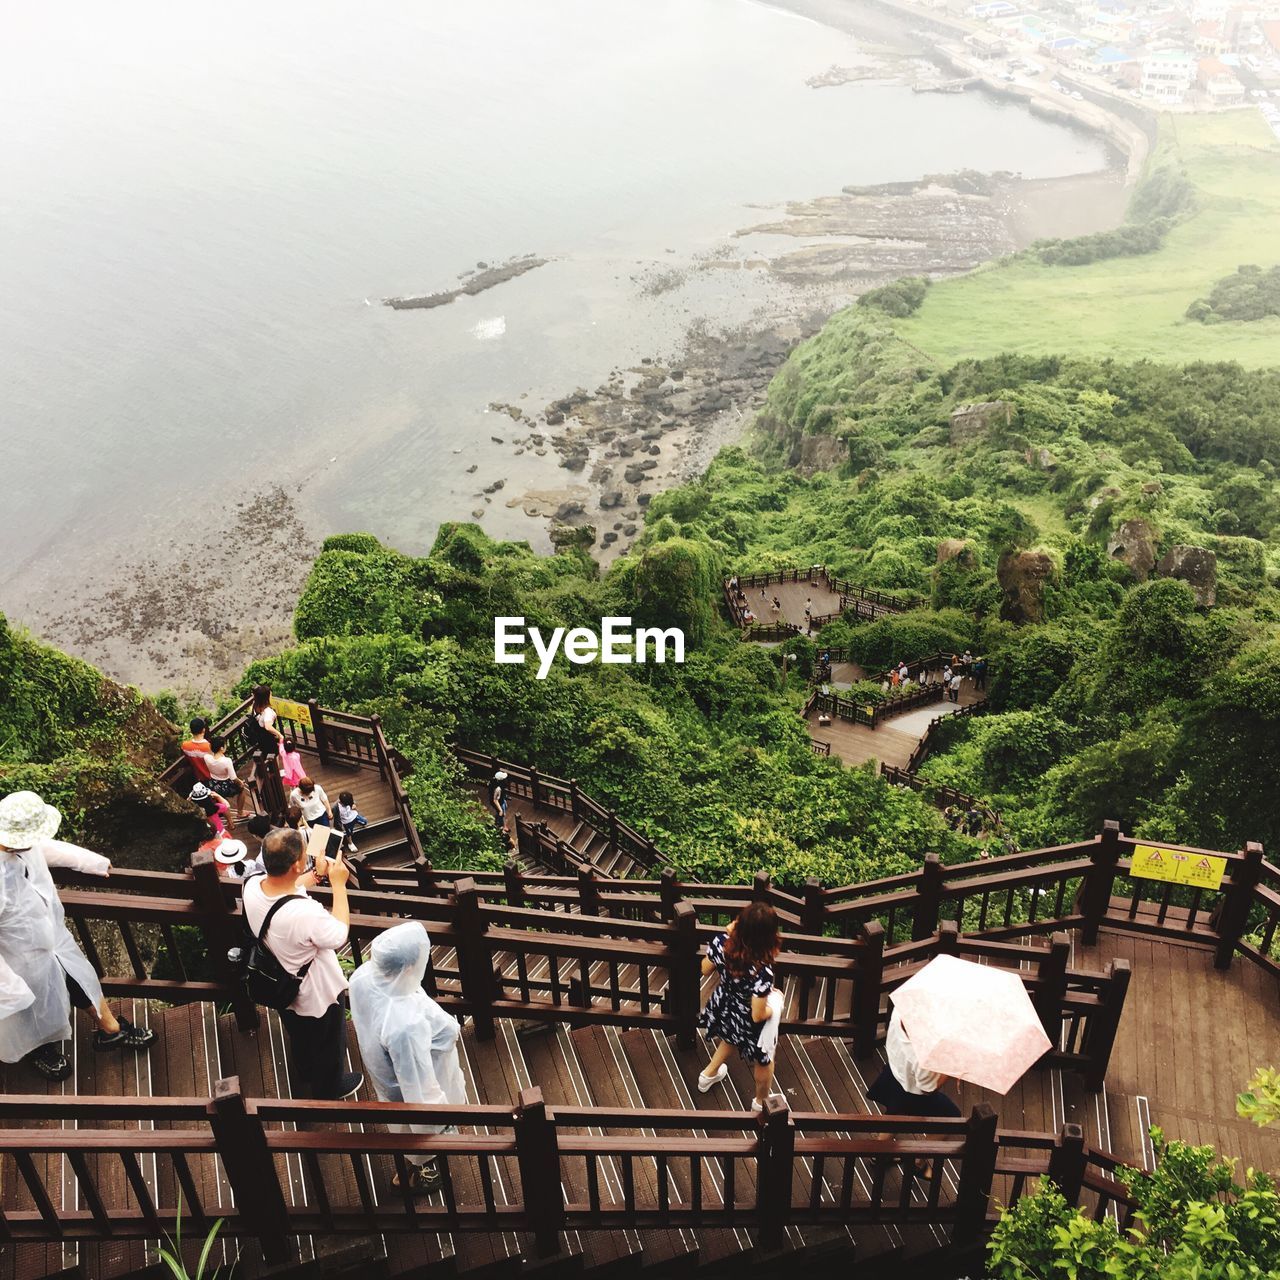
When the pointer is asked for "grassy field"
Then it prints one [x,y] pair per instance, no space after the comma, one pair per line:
[1134,307]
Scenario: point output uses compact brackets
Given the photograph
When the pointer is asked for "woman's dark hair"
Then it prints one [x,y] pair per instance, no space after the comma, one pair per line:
[306,786]
[754,940]
[261,697]
[217,742]
[293,816]
[345,797]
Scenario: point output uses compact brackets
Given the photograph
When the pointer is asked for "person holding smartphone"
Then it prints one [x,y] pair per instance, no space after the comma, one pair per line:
[304,938]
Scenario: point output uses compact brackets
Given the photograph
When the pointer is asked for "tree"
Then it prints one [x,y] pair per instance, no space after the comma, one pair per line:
[1261,1103]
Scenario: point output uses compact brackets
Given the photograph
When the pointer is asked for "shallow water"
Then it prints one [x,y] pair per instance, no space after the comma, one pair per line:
[202,208]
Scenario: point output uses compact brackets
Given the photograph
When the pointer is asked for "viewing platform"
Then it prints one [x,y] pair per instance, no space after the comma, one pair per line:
[585,1148]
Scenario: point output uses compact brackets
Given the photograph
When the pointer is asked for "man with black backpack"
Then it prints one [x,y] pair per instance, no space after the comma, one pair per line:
[300,939]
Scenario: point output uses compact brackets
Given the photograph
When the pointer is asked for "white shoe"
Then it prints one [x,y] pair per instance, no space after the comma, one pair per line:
[707,1083]
[351,847]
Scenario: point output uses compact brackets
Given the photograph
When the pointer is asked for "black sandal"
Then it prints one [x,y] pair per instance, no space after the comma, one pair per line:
[128,1037]
[423,1178]
[51,1063]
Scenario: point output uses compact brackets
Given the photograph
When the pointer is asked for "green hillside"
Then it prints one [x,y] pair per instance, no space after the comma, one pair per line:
[1134,307]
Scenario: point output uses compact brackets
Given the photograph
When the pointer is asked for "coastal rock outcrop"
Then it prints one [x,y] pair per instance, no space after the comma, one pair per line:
[821,453]
[1134,543]
[960,549]
[972,421]
[1022,576]
[1196,566]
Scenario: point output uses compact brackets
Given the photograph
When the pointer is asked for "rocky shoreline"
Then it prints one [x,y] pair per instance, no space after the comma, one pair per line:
[484,277]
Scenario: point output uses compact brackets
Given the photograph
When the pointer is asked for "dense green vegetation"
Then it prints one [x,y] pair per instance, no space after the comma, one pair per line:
[1126,700]
[709,758]
[899,298]
[1218,177]
[1250,294]
[1196,1222]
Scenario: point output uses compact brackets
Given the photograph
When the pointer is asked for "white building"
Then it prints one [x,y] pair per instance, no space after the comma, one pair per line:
[1167,76]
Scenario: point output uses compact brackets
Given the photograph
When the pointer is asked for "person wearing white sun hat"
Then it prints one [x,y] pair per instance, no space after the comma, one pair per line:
[42,970]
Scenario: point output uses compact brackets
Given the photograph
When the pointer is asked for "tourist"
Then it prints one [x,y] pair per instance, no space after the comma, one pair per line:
[980,673]
[408,1043]
[743,956]
[196,748]
[955,686]
[231,857]
[310,797]
[43,973]
[823,719]
[904,672]
[222,776]
[894,678]
[808,609]
[294,821]
[747,617]
[498,802]
[261,728]
[350,819]
[292,770]
[905,1088]
[214,807]
[304,938]
[733,584]
[777,604]
[972,821]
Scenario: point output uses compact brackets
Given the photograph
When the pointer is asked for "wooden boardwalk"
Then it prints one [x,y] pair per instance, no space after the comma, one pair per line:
[891,742]
[1185,1082]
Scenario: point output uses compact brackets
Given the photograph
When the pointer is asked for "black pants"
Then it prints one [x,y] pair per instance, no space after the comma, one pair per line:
[317,1050]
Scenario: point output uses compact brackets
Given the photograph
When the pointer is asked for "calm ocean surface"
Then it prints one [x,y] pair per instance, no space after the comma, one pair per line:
[198,200]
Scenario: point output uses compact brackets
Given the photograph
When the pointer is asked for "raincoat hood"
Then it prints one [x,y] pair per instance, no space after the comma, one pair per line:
[399,957]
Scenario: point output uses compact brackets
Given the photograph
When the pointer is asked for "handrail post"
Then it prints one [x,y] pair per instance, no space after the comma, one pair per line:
[513,878]
[538,1156]
[773,1182]
[1100,1032]
[318,730]
[613,833]
[668,892]
[866,991]
[535,787]
[380,749]
[924,919]
[1236,903]
[426,875]
[684,978]
[527,838]
[1067,1161]
[588,892]
[815,906]
[1095,892]
[217,925]
[574,797]
[760,887]
[475,958]
[977,1169]
[241,1142]
[1051,984]
[948,943]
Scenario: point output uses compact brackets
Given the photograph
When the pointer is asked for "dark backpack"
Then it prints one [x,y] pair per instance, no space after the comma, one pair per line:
[267,981]
[260,739]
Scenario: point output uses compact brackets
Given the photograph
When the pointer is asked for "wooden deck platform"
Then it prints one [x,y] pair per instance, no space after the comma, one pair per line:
[891,742]
[1226,1024]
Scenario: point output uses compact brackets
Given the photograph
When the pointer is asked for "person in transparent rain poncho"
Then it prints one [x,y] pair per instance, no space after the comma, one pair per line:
[42,970]
[409,1044]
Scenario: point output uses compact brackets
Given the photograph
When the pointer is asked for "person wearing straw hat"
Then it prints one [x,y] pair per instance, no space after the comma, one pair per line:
[408,1043]
[498,802]
[42,970]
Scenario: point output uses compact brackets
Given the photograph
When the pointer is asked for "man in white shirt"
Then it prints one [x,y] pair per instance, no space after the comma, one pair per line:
[302,933]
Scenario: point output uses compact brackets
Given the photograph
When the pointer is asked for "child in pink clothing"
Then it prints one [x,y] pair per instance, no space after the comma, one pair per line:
[214,807]
[292,770]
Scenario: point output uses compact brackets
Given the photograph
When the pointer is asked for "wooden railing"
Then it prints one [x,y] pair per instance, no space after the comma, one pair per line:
[865,603]
[547,792]
[559,1169]
[925,744]
[872,714]
[941,796]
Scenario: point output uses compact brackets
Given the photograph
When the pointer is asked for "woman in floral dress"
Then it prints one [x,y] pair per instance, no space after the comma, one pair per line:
[738,1008]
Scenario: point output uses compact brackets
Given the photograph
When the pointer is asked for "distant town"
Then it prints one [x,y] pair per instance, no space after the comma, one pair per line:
[1191,55]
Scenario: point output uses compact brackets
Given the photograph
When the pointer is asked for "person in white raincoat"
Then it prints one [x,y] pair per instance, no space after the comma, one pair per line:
[42,970]
[408,1043]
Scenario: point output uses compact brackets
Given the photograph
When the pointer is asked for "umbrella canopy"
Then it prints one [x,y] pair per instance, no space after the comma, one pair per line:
[972,1021]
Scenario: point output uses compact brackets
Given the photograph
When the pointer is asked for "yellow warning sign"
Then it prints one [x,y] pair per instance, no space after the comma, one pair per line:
[1199,870]
[298,712]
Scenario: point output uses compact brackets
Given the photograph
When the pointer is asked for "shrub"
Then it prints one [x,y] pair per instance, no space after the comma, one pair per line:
[899,299]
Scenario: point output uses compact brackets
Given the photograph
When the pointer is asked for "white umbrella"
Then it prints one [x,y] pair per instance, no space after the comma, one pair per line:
[971,1021]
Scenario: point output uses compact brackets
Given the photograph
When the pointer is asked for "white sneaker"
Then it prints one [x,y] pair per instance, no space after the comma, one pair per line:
[351,847]
[707,1083]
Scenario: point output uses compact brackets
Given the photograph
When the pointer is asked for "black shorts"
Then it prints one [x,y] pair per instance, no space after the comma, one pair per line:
[79,997]
[227,788]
